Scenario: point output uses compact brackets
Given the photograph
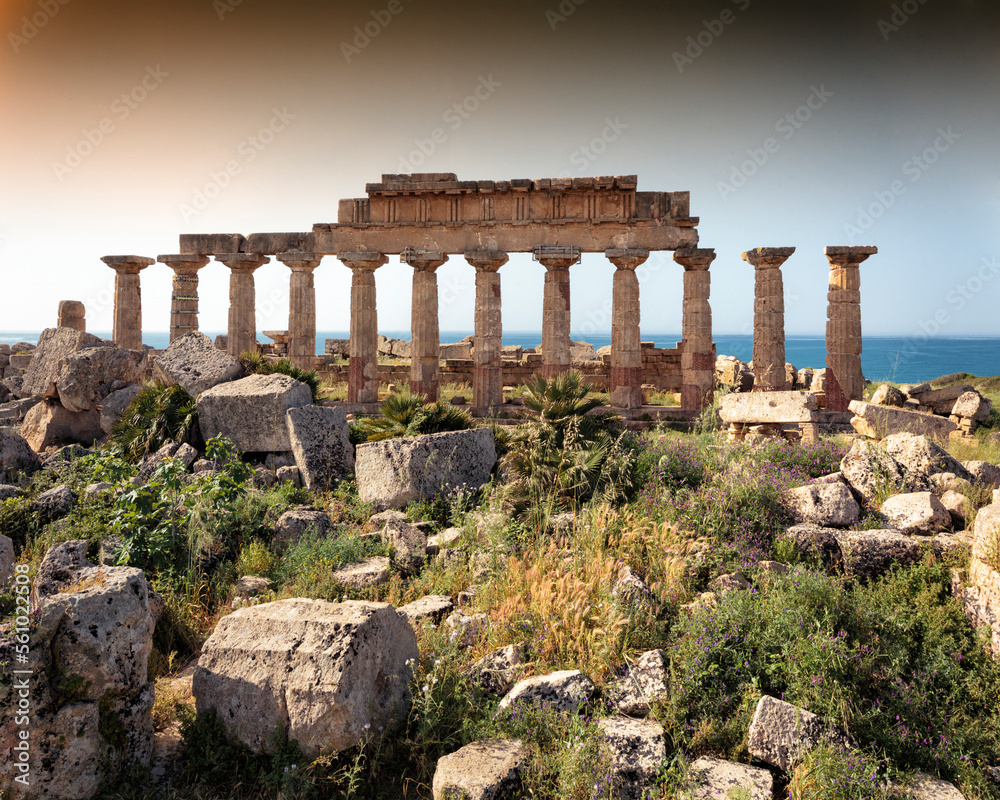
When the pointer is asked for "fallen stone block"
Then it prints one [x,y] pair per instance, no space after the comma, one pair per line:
[408,546]
[6,560]
[921,459]
[323,673]
[364,574]
[497,672]
[565,690]
[321,445]
[487,770]
[927,787]
[114,405]
[48,423]
[769,407]
[89,375]
[712,778]
[431,608]
[55,346]
[17,459]
[888,395]
[916,513]
[638,748]
[983,473]
[252,411]
[877,422]
[646,682]
[395,472]
[298,522]
[781,734]
[868,554]
[831,505]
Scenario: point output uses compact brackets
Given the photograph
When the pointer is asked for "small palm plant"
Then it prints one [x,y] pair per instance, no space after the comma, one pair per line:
[407,414]
[157,415]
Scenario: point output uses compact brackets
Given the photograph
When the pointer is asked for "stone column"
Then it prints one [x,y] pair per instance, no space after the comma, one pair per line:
[626,348]
[426,346]
[128,299]
[844,379]
[698,356]
[362,380]
[768,318]
[73,315]
[184,300]
[301,307]
[487,376]
[242,301]
[556,343]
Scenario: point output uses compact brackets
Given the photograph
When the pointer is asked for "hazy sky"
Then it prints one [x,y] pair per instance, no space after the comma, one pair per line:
[805,123]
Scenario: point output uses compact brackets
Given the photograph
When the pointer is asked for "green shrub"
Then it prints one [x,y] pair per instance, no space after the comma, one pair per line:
[157,415]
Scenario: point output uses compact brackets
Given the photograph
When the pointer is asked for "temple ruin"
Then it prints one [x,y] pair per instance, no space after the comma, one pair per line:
[426,218]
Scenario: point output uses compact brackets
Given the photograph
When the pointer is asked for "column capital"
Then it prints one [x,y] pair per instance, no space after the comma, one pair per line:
[768,257]
[242,262]
[127,265]
[183,263]
[848,256]
[300,262]
[486,260]
[694,259]
[423,260]
[365,260]
[626,257]
[556,257]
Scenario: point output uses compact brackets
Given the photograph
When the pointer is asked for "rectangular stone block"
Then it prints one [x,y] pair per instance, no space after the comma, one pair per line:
[274,243]
[878,422]
[206,244]
[769,407]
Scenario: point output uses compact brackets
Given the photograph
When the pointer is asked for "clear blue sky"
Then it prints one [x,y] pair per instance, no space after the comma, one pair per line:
[798,123]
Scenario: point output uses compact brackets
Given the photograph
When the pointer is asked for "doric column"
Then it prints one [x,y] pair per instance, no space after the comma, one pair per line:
[73,315]
[626,348]
[362,380]
[768,317]
[128,299]
[844,379]
[301,307]
[426,346]
[556,343]
[487,377]
[184,300]
[242,300]
[698,356]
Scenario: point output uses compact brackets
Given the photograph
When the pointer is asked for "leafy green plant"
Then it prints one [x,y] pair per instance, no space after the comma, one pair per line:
[157,415]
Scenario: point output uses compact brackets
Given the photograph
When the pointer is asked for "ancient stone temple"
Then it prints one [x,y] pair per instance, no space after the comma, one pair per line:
[424,219]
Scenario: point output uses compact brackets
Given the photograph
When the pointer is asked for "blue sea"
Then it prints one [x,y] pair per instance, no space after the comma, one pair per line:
[893,358]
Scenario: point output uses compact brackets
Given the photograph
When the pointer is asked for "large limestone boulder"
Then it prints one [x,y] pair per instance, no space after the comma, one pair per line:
[972,405]
[940,401]
[48,423]
[16,456]
[877,422]
[252,411]
[364,574]
[193,362]
[733,373]
[321,444]
[638,748]
[921,458]
[299,521]
[916,513]
[395,472]
[781,734]
[488,770]
[91,374]
[55,346]
[645,683]
[321,672]
[983,473]
[712,778]
[89,659]
[565,690]
[926,787]
[888,395]
[866,555]
[871,471]
[830,505]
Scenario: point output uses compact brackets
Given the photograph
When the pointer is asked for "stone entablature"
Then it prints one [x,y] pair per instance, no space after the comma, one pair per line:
[436,211]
